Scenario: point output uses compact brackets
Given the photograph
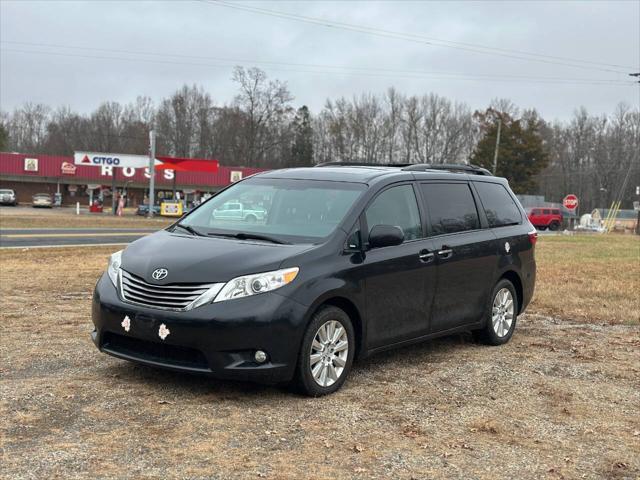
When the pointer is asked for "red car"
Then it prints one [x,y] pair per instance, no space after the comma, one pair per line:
[543,218]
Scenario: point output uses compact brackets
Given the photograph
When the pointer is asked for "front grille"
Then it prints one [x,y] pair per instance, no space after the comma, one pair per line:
[175,296]
[156,352]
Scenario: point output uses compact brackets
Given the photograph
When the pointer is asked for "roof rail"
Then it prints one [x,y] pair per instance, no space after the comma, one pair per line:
[362,164]
[415,167]
[450,167]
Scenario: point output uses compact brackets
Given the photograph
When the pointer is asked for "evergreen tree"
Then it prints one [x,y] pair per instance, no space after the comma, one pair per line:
[302,148]
[521,155]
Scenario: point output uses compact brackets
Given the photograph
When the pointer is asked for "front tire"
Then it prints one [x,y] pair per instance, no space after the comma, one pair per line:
[327,352]
[554,226]
[501,315]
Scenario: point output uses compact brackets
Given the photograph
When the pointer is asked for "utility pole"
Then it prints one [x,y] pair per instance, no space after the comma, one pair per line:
[495,153]
[114,201]
[152,171]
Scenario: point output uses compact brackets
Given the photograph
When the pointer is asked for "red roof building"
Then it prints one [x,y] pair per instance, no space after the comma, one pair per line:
[30,174]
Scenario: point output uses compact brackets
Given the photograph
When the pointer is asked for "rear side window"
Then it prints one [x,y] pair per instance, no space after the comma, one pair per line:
[546,212]
[396,206]
[451,207]
[500,208]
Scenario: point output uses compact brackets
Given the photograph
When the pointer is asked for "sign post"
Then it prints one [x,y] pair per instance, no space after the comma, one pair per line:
[152,170]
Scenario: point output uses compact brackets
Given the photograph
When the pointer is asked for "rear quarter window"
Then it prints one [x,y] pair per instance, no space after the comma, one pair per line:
[499,206]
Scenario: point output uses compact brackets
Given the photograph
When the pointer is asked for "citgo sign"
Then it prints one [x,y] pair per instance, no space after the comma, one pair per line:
[95,159]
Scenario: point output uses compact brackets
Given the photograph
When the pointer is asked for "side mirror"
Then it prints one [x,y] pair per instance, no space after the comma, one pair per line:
[385,236]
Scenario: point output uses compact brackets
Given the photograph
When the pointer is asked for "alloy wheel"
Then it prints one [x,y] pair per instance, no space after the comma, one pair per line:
[329,353]
[502,312]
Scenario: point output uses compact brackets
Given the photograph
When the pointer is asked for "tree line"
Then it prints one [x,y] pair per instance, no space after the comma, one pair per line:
[589,155]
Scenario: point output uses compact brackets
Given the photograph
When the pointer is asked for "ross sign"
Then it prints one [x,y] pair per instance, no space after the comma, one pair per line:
[94,159]
[68,168]
[30,164]
[570,202]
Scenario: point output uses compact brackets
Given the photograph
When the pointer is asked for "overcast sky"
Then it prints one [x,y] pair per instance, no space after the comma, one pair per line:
[199,42]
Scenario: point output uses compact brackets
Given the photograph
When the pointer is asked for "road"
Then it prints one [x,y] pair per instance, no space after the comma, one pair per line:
[59,237]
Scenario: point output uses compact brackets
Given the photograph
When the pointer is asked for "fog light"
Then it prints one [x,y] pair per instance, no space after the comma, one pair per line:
[260,356]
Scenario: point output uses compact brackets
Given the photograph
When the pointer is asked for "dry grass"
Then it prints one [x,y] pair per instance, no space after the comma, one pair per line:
[23,217]
[559,401]
[592,278]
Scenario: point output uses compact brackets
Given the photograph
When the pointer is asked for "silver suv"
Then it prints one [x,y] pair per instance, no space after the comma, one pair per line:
[8,197]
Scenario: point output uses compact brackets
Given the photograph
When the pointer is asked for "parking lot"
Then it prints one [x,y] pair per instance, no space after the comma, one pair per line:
[559,401]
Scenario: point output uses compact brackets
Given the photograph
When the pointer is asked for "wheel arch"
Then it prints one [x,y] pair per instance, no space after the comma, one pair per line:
[515,280]
[350,308]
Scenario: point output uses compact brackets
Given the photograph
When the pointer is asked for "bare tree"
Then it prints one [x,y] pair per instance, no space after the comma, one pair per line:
[27,127]
[266,106]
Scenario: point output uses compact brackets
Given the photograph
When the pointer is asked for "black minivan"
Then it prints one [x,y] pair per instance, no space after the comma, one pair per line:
[346,261]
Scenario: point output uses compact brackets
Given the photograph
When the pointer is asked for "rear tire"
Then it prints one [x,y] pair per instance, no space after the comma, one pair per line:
[500,316]
[323,365]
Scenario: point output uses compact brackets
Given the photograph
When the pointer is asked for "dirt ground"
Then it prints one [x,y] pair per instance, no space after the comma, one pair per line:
[559,401]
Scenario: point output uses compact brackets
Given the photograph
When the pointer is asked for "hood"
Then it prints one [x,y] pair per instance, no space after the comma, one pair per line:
[191,259]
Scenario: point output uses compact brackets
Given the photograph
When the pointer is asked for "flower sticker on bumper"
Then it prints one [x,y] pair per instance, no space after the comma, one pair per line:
[163,332]
[126,323]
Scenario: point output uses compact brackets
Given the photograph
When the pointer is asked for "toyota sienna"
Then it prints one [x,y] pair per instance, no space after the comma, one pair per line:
[344,262]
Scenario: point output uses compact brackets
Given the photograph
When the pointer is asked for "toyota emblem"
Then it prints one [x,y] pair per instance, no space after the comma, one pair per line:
[160,273]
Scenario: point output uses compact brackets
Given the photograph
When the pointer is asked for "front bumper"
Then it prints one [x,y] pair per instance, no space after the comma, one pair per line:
[217,339]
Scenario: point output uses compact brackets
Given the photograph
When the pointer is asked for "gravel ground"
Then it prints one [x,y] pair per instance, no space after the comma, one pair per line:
[561,400]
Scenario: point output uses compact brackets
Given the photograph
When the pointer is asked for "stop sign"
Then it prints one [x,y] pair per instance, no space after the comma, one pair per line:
[570,202]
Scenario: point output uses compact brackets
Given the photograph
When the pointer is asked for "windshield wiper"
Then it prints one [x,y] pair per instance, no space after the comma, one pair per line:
[189,229]
[250,236]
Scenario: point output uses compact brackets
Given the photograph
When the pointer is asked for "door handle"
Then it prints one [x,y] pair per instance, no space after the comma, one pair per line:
[445,253]
[426,256]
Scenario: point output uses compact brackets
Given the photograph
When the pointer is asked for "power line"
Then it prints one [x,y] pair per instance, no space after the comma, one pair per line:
[305,65]
[475,48]
[340,70]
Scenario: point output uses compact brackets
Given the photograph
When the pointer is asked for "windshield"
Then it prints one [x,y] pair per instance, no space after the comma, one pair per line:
[6,192]
[296,211]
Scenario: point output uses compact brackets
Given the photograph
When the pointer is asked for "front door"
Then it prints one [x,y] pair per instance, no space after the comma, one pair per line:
[399,280]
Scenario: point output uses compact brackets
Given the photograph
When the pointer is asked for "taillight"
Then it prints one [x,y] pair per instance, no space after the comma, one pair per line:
[533,236]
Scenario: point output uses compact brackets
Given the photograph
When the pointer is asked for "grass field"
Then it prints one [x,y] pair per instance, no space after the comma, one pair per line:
[591,278]
[559,401]
[24,217]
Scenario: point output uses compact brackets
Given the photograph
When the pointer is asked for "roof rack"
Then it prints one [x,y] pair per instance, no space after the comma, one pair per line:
[450,167]
[362,164]
[415,167]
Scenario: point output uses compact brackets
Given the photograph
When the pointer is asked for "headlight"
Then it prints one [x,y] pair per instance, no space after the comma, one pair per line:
[114,267]
[258,283]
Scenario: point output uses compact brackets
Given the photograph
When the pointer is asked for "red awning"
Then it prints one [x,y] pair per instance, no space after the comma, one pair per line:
[187,164]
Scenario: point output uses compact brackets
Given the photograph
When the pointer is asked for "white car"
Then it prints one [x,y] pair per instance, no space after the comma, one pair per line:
[42,200]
